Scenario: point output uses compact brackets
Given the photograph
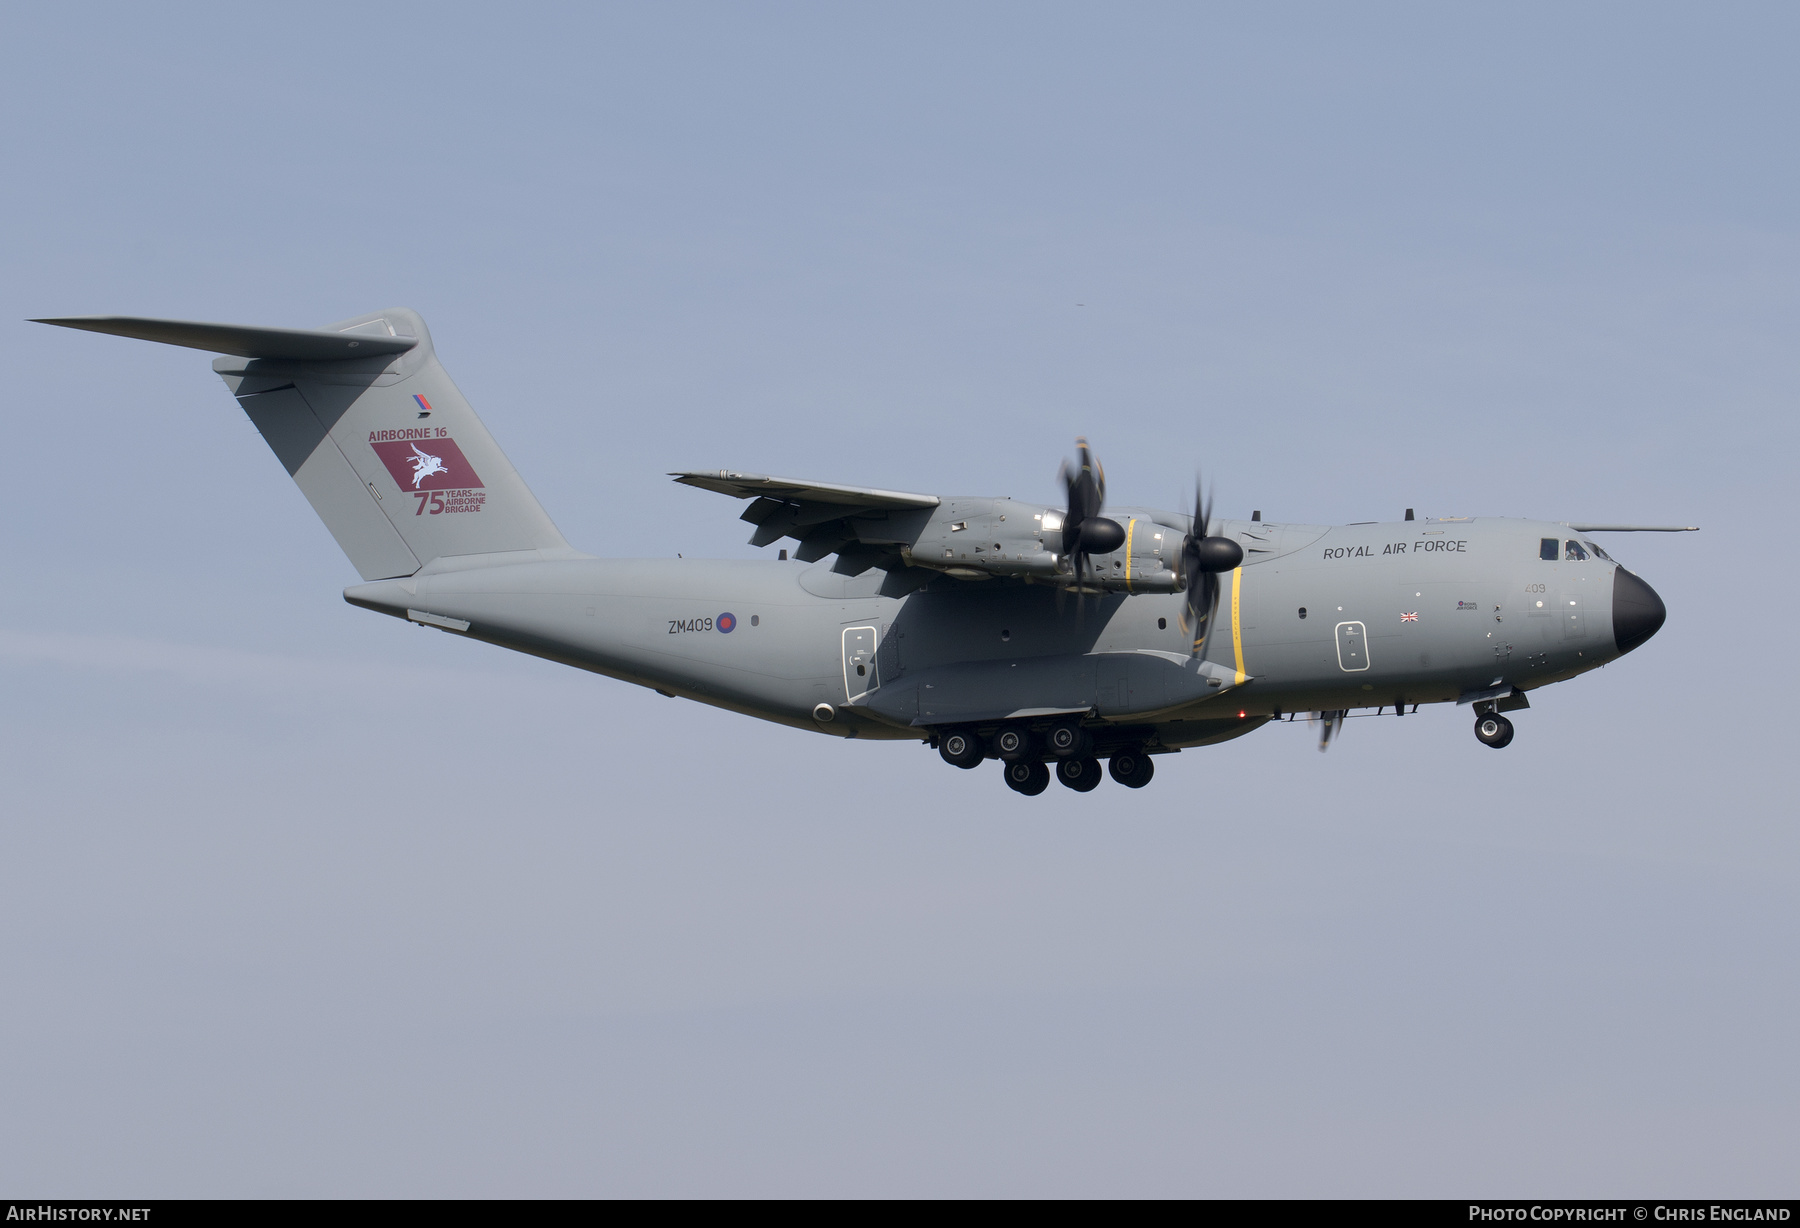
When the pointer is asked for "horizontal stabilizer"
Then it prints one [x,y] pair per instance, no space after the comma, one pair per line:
[292,344]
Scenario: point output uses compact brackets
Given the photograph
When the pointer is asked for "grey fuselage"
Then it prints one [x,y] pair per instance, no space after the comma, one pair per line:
[913,614]
[1316,619]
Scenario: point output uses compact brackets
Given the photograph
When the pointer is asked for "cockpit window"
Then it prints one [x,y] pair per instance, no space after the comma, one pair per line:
[1547,549]
[1573,553]
[1597,552]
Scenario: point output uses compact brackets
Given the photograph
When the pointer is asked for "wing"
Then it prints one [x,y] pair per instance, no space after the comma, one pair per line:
[757,485]
[863,526]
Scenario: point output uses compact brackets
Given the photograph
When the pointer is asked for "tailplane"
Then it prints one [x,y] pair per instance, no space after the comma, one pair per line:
[368,424]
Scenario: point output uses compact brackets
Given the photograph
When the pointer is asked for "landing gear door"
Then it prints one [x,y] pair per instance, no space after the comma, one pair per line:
[860,673]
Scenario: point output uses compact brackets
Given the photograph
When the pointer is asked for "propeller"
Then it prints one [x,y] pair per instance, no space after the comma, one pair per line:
[1203,557]
[1084,530]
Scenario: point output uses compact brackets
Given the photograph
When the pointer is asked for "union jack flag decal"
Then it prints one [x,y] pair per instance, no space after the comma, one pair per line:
[1410,618]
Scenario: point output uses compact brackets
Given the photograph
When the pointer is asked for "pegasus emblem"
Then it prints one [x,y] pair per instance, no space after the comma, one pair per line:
[424,466]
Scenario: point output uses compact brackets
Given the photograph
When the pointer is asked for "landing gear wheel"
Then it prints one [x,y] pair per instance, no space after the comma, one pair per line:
[1030,779]
[1068,740]
[1079,774]
[1133,769]
[1493,729]
[1014,744]
[960,749]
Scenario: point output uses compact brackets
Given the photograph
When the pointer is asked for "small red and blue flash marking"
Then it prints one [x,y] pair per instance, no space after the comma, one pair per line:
[423,403]
[725,622]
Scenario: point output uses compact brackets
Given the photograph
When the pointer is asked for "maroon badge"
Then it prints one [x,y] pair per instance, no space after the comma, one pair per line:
[427,464]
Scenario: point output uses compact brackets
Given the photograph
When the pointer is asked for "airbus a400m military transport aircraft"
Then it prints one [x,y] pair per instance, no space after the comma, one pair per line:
[1047,637]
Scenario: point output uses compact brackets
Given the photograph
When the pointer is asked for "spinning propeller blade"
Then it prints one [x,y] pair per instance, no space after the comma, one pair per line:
[1203,557]
[1085,531]
[1330,723]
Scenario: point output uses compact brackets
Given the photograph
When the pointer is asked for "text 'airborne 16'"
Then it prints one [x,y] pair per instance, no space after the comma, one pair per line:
[1047,637]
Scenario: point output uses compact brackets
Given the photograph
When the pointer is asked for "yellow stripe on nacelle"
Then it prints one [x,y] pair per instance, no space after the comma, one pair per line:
[1237,633]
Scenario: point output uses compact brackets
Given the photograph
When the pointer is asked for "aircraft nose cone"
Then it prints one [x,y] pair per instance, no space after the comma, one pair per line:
[1638,613]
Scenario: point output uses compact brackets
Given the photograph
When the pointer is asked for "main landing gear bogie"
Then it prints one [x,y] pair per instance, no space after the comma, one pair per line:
[1493,729]
[1028,757]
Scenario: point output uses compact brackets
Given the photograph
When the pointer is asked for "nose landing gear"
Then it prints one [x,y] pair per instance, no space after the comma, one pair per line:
[1493,729]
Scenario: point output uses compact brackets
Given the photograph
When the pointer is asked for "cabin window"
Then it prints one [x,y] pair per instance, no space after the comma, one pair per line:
[1573,553]
[1162,624]
[1302,611]
[1547,549]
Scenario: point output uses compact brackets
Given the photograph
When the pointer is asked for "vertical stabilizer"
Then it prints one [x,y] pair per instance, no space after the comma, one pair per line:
[389,453]
[368,424]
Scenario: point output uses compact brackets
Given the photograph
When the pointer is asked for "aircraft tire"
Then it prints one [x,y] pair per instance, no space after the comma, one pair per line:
[1493,729]
[1131,768]
[1080,775]
[1068,740]
[1030,779]
[960,749]
[1015,743]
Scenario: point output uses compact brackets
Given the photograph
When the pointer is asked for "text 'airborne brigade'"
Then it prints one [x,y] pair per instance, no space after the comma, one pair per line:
[1045,636]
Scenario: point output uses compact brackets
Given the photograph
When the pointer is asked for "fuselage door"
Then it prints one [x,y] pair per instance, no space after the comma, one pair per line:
[1352,647]
[860,675]
[1573,628]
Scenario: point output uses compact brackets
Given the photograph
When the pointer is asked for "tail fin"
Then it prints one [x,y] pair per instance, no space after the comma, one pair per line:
[368,424]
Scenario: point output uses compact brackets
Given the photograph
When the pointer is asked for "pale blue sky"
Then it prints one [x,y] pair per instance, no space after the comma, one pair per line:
[298,900]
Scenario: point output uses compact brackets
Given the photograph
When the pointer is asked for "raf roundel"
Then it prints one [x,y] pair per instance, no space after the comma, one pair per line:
[726,622]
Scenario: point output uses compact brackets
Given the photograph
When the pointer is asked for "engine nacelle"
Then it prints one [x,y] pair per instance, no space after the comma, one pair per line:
[975,538]
[1146,563]
[996,537]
